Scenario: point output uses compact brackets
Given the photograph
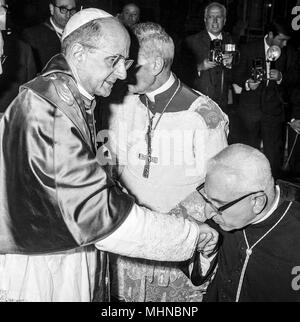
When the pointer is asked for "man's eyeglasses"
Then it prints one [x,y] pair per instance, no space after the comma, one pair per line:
[65,10]
[113,60]
[219,210]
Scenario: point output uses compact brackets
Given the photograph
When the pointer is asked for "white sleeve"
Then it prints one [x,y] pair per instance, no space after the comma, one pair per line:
[207,143]
[154,236]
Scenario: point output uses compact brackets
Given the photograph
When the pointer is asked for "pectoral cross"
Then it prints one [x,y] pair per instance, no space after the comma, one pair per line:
[148,158]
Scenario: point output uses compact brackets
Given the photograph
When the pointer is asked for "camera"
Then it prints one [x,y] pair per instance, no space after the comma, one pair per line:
[219,52]
[258,71]
[216,52]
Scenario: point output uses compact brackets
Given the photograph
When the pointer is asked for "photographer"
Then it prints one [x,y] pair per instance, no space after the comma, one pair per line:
[206,75]
[261,106]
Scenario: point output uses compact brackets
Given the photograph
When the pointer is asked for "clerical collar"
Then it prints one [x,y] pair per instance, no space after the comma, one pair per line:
[213,37]
[58,30]
[162,88]
[274,207]
[84,92]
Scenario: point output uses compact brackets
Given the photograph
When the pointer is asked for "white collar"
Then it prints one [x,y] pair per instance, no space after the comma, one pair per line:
[58,30]
[274,207]
[162,88]
[213,37]
[84,92]
[266,45]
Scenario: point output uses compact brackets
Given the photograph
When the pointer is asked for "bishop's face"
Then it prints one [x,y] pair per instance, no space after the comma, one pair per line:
[143,76]
[220,189]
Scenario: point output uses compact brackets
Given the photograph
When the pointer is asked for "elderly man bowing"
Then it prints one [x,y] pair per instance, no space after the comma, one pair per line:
[258,260]
[56,200]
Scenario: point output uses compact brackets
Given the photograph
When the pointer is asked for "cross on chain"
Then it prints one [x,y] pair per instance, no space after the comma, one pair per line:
[148,158]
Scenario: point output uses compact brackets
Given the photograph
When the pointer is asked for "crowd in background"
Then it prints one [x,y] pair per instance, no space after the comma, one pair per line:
[30,48]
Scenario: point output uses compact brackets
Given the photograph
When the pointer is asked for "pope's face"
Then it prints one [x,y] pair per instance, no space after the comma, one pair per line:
[215,20]
[97,73]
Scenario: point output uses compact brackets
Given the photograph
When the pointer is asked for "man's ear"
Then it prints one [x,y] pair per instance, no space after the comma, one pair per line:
[77,52]
[51,8]
[157,65]
[259,203]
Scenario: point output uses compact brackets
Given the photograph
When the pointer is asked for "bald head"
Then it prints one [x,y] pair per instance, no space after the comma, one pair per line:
[242,167]
[239,177]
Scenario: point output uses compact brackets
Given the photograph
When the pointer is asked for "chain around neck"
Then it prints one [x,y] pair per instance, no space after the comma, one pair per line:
[165,108]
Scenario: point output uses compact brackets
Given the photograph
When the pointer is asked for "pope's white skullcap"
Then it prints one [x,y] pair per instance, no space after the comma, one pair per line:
[82,17]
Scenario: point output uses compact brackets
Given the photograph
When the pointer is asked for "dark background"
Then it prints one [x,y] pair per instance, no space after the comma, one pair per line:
[246,19]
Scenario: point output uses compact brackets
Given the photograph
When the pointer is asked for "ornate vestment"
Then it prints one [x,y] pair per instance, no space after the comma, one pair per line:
[192,130]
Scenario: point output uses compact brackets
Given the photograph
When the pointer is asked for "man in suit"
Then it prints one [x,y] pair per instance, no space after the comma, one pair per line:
[17,61]
[293,97]
[293,134]
[207,76]
[261,102]
[45,39]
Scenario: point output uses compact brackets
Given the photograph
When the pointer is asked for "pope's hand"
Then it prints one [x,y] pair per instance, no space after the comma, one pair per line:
[208,239]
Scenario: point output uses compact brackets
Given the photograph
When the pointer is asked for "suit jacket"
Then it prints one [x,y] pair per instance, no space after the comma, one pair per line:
[196,49]
[18,68]
[268,98]
[54,194]
[293,82]
[44,42]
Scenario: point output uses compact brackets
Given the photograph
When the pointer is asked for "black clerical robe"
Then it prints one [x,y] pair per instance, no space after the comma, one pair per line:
[273,271]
